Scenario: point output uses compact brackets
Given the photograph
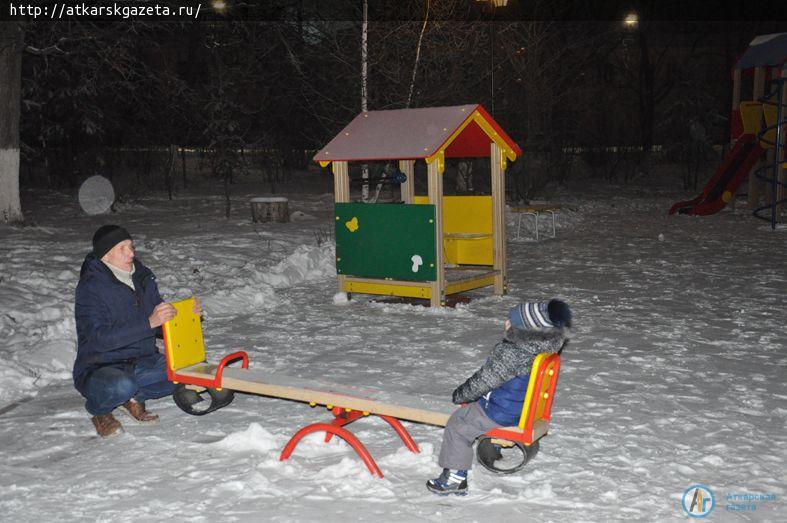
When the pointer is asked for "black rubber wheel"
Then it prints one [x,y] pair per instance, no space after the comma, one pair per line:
[532,450]
[197,404]
[504,460]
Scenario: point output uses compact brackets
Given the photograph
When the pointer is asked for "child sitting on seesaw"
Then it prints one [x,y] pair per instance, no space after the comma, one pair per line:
[496,391]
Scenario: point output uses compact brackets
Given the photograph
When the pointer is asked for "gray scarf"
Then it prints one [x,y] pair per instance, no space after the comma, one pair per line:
[121,275]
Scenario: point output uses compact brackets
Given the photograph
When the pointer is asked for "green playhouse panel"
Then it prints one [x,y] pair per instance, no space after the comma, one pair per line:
[386,241]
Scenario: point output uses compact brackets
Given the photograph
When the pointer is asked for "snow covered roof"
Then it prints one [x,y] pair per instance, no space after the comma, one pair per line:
[765,51]
[460,131]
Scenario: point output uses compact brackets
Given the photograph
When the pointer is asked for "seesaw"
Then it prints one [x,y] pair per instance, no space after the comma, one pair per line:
[198,381]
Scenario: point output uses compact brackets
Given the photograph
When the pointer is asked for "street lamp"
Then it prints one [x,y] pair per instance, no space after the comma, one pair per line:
[631,21]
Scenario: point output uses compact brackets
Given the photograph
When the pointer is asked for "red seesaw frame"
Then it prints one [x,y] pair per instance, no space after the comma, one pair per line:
[343,417]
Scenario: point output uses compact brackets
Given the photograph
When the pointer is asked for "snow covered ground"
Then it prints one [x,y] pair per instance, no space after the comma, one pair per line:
[675,375]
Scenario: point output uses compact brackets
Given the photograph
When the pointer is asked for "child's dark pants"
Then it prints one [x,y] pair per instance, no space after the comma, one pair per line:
[463,427]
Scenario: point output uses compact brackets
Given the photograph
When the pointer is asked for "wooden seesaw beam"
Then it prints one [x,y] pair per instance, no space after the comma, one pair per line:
[316,392]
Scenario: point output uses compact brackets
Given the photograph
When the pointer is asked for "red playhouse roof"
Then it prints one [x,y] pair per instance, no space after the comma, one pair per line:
[460,131]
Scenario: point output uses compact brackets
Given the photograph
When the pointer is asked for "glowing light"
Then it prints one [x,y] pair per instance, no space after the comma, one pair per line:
[631,20]
[219,6]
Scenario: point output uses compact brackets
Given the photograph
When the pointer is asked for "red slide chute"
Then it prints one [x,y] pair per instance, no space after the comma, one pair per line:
[733,169]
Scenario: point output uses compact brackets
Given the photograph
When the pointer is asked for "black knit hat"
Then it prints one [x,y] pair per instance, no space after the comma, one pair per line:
[106,237]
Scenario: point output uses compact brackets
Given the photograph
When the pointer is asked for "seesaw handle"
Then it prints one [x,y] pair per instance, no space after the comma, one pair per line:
[226,360]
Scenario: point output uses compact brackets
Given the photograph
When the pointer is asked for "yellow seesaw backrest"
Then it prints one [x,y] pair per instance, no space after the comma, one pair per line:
[537,395]
[183,337]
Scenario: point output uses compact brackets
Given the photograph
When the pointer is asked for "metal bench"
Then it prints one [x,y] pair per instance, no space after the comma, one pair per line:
[534,211]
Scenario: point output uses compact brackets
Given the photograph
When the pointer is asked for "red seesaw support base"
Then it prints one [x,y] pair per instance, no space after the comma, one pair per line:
[341,418]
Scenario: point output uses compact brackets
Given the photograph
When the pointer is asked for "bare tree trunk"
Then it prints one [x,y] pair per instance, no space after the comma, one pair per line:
[227,201]
[464,177]
[364,97]
[183,164]
[647,101]
[418,55]
[10,95]
[172,159]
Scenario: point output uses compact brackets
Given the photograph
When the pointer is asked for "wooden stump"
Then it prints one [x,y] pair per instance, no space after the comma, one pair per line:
[272,208]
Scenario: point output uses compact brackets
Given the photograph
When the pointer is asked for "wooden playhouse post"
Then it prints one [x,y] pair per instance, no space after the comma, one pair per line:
[736,97]
[341,182]
[436,198]
[408,186]
[736,102]
[498,159]
[341,192]
[757,94]
[770,152]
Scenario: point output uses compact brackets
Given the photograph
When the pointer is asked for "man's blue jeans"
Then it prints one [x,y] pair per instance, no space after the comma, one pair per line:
[108,387]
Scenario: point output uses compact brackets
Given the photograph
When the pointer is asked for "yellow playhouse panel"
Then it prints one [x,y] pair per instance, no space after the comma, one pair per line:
[387,289]
[751,114]
[467,228]
[468,249]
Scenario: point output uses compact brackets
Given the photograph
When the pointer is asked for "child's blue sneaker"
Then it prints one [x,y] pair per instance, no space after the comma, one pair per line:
[449,482]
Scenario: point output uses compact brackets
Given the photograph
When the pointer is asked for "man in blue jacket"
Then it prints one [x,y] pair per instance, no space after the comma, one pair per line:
[118,312]
[496,391]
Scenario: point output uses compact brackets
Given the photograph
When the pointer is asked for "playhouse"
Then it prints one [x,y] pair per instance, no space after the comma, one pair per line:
[765,61]
[757,136]
[432,245]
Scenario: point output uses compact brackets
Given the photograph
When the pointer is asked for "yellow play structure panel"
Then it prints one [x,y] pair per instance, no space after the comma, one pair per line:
[467,229]
[751,115]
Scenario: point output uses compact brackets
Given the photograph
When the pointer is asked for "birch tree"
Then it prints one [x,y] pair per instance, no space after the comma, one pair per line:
[10,94]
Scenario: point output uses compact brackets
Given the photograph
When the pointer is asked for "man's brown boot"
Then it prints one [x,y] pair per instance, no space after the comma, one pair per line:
[136,410]
[106,425]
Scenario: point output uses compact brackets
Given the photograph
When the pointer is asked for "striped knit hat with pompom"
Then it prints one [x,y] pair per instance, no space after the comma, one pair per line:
[535,315]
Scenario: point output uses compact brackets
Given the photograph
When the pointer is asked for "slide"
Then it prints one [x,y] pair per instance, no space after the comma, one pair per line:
[734,168]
